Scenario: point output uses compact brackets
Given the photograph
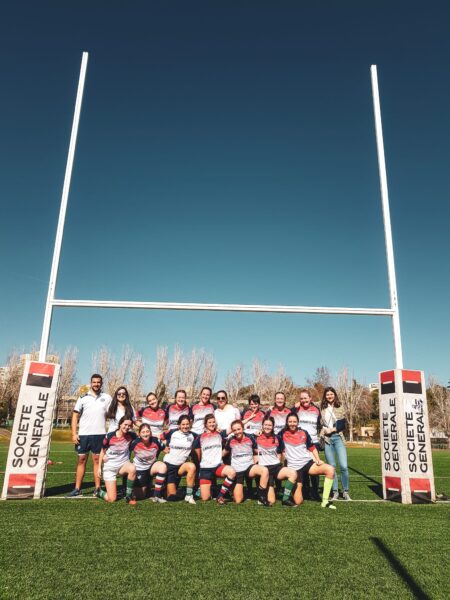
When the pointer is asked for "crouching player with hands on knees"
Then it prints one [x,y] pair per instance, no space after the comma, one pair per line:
[115,458]
[301,455]
[178,449]
[243,451]
[209,449]
[146,450]
[270,456]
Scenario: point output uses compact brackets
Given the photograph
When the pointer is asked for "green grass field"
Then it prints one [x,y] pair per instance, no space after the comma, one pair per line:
[58,548]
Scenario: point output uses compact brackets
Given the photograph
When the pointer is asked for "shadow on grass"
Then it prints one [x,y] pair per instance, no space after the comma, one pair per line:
[397,566]
[377,487]
[59,490]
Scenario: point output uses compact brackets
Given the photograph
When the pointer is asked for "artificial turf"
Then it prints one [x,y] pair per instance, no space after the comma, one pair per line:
[58,548]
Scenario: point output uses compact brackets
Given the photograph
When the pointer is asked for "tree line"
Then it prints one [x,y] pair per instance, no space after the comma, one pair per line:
[197,368]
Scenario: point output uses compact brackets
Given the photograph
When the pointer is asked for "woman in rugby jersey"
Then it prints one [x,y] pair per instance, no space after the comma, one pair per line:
[252,417]
[302,456]
[269,455]
[309,420]
[115,458]
[279,412]
[209,449]
[153,415]
[178,449]
[242,449]
[146,449]
[179,408]
[202,408]
[120,407]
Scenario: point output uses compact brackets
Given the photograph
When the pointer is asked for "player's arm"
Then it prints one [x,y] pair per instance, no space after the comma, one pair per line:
[312,448]
[74,424]
[101,457]
[255,451]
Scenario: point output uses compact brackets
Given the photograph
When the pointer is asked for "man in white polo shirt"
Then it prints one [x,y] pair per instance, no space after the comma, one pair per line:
[89,415]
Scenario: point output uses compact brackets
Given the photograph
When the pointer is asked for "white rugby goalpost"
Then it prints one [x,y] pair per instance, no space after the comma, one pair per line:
[392,312]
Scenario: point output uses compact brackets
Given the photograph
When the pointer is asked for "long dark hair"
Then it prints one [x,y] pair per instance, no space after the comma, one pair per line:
[324,402]
[286,428]
[271,420]
[111,414]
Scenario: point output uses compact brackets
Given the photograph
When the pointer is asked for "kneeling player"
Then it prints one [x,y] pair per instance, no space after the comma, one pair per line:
[209,449]
[146,449]
[115,456]
[243,450]
[179,446]
[270,455]
[301,455]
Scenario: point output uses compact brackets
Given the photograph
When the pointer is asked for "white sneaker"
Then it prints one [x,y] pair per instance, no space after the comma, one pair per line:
[160,500]
[346,496]
[153,499]
[334,496]
[190,500]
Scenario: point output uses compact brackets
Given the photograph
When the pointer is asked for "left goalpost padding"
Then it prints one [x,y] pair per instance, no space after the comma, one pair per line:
[26,467]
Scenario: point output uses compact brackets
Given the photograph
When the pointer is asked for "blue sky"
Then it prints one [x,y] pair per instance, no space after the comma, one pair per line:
[226,153]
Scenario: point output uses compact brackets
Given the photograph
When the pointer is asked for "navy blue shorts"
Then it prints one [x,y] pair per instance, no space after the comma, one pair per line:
[241,475]
[304,471]
[143,479]
[172,474]
[273,473]
[90,443]
[209,475]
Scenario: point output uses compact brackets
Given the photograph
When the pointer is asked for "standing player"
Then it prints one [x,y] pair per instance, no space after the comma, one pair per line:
[270,456]
[242,449]
[115,455]
[301,455]
[146,449]
[309,420]
[252,417]
[178,449]
[89,416]
[201,409]
[153,415]
[178,409]
[279,412]
[209,449]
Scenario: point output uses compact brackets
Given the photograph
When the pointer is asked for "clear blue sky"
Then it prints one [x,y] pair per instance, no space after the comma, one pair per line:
[227,153]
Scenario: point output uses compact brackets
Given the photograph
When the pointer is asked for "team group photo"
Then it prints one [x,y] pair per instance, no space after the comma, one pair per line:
[224,350]
[277,448]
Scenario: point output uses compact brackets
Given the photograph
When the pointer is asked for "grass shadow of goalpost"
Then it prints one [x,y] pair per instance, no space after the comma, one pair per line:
[377,487]
[401,571]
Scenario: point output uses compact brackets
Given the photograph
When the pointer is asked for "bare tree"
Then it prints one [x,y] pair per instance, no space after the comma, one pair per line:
[355,399]
[176,370]
[260,380]
[114,372]
[136,379]
[267,385]
[234,382]
[161,373]
[10,384]
[281,382]
[440,405]
[67,381]
[209,375]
